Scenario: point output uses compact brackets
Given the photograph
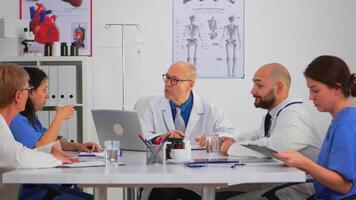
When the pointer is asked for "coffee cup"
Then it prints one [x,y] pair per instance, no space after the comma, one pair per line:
[178,154]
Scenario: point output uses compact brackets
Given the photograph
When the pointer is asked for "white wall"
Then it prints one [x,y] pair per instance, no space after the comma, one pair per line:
[290,32]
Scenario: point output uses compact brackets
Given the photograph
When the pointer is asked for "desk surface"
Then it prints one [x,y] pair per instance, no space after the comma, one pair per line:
[137,173]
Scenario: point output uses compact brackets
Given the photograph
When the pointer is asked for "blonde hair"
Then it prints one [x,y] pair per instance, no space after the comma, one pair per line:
[12,79]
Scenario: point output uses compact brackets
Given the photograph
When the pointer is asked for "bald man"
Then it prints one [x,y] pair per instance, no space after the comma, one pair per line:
[288,126]
[198,116]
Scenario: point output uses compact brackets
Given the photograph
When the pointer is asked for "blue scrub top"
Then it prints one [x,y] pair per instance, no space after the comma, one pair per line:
[338,152]
[24,132]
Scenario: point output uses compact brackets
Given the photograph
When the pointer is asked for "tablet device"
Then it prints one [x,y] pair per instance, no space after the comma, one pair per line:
[261,149]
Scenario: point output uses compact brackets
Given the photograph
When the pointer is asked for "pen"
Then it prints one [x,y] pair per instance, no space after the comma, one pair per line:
[195,165]
[237,164]
[148,145]
[87,155]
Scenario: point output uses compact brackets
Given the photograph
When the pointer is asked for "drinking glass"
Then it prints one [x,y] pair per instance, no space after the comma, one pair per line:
[112,152]
[212,144]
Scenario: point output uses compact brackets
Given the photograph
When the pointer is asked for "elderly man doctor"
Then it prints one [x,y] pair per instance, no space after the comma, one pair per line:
[182,112]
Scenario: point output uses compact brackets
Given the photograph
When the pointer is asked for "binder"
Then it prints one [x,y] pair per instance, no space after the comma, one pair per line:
[53,85]
[62,85]
[71,84]
[44,69]
[67,86]
[43,116]
[72,128]
[63,131]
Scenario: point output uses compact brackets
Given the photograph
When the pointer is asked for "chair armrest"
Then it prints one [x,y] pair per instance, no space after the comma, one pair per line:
[271,194]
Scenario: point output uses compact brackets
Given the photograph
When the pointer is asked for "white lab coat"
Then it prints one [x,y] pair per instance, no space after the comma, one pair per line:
[293,129]
[204,118]
[14,155]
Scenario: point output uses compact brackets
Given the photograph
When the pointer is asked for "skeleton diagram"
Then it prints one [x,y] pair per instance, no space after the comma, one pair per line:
[232,39]
[212,27]
[191,37]
[231,1]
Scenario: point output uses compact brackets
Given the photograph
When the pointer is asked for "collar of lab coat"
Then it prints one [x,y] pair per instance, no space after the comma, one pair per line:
[195,114]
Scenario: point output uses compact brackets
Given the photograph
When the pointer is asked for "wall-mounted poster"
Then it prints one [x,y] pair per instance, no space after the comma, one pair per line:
[59,21]
[210,35]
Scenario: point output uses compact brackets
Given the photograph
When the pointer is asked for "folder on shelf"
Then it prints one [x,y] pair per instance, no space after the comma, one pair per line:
[43,116]
[72,131]
[67,85]
[44,68]
[52,85]
[71,84]
[63,131]
[62,85]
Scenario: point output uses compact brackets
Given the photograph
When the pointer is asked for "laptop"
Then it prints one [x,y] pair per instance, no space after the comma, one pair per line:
[119,125]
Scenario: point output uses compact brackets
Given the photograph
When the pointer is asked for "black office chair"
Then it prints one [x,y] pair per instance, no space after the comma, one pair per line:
[223,195]
[271,194]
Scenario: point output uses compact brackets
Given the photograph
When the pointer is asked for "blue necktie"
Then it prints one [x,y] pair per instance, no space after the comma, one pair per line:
[178,121]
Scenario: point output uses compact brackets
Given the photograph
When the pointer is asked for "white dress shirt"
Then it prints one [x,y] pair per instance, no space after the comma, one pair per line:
[14,155]
[291,129]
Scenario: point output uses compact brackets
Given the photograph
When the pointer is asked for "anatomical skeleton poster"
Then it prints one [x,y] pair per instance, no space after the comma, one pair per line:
[210,35]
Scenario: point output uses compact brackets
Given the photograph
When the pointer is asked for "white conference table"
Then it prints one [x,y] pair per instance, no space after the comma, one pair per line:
[137,174]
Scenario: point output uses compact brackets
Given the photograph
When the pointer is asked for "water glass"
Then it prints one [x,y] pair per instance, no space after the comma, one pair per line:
[112,152]
[212,144]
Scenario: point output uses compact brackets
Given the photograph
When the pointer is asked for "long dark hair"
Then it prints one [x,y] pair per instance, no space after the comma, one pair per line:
[36,78]
[333,72]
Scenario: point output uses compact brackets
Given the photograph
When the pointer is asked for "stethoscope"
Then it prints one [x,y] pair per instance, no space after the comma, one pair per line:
[279,111]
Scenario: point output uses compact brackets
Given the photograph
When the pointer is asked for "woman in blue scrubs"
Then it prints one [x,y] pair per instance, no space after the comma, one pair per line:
[330,84]
[28,130]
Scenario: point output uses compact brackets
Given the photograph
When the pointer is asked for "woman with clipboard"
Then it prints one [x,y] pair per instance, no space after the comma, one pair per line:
[330,84]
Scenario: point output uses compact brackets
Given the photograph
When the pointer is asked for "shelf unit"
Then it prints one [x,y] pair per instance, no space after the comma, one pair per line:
[78,65]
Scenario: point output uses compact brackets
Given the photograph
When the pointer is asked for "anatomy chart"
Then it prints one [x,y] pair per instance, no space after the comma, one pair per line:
[210,35]
[59,21]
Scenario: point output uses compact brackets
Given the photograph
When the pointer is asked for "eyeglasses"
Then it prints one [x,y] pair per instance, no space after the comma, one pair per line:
[29,88]
[174,81]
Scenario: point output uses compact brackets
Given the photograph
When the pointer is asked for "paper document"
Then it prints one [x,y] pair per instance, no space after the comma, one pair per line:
[92,154]
[84,164]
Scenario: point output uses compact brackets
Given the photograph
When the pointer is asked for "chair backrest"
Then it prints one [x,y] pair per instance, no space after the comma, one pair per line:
[142,104]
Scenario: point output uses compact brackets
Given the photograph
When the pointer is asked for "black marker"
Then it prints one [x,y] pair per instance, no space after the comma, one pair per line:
[237,164]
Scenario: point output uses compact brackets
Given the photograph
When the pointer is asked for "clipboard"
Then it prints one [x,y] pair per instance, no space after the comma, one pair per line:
[261,149]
